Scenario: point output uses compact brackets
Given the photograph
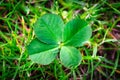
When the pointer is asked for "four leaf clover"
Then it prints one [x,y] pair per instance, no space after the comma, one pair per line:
[53,37]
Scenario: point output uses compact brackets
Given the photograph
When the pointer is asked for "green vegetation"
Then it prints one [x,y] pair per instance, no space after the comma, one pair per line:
[52,35]
[100,54]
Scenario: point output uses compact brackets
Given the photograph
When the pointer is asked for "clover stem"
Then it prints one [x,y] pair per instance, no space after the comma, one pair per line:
[61,44]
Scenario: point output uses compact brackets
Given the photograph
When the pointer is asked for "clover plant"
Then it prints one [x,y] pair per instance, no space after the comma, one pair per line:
[53,38]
